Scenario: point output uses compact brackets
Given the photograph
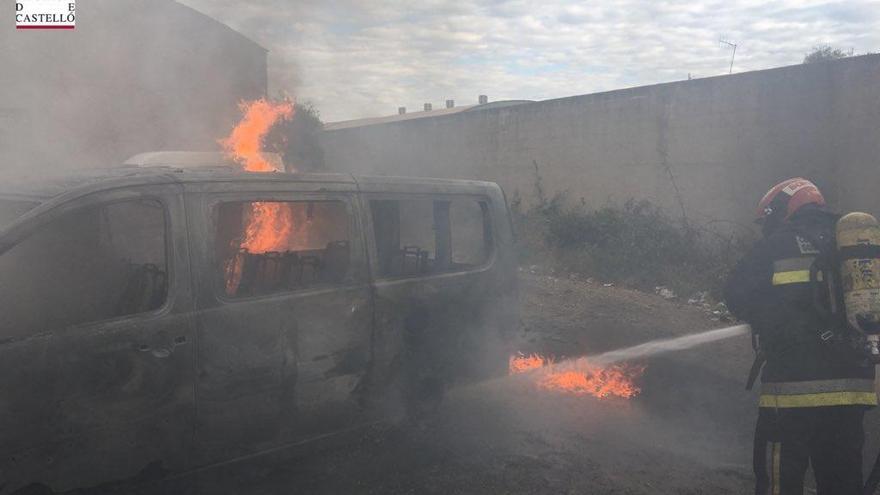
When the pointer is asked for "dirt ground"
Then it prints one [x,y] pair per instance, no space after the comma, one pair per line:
[688,432]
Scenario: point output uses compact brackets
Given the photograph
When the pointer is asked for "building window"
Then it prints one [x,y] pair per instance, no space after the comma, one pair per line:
[89,265]
[424,236]
[266,247]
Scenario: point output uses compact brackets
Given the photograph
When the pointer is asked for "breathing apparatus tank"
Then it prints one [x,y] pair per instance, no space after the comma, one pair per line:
[858,247]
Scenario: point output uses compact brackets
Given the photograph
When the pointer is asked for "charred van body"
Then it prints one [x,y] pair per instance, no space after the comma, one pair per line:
[156,320]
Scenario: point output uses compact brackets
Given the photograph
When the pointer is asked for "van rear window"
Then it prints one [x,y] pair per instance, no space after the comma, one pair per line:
[265,247]
[417,237]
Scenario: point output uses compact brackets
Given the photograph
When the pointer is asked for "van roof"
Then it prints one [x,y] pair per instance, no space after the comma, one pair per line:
[195,159]
[86,181]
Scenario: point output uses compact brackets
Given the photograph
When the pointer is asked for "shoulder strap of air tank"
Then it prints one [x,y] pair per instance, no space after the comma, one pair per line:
[827,298]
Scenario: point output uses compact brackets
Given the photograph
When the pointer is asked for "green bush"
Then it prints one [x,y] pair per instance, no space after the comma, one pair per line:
[636,245]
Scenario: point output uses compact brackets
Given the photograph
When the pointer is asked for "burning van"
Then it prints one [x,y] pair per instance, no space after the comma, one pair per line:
[157,319]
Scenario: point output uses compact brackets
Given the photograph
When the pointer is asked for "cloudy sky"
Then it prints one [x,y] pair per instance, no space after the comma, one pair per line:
[361,58]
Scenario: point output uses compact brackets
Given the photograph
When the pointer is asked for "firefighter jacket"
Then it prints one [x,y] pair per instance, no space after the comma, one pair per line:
[779,291]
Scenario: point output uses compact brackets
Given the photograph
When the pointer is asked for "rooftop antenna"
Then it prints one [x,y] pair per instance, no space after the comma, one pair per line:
[732,44]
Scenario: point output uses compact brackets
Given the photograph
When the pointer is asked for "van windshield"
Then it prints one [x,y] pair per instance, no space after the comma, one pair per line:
[10,210]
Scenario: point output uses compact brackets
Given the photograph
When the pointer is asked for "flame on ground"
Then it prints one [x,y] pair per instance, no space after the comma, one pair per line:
[579,377]
[521,363]
[269,226]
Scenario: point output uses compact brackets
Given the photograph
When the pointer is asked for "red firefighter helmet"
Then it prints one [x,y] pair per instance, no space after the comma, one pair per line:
[789,196]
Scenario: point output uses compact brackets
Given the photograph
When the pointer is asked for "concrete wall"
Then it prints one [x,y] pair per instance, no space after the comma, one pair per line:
[856,129]
[713,145]
[134,76]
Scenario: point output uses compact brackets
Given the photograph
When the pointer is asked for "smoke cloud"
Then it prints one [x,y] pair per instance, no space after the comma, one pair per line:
[134,76]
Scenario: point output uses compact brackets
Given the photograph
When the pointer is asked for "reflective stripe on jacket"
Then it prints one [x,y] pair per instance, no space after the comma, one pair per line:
[794,270]
[815,393]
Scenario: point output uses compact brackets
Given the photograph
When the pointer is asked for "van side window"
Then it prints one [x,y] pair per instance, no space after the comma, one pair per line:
[266,247]
[89,265]
[424,236]
[471,233]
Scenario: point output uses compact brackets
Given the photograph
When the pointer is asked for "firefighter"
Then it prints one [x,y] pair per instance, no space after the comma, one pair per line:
[815,385]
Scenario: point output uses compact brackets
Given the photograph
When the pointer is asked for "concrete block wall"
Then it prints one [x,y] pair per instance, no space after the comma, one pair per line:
[720,142]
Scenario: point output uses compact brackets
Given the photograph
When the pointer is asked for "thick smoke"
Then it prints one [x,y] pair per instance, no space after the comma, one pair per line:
[134,76]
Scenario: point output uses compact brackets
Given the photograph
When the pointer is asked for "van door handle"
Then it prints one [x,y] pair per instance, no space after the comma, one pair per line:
[157,352]
[163,352]
[359,304]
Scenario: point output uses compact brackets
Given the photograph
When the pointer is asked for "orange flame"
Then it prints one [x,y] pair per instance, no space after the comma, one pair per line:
[580,377]
[520,363]
[617,380]
[269,225]
[245,143]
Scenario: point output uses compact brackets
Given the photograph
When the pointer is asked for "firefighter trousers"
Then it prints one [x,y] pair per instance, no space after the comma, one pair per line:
[788,440]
